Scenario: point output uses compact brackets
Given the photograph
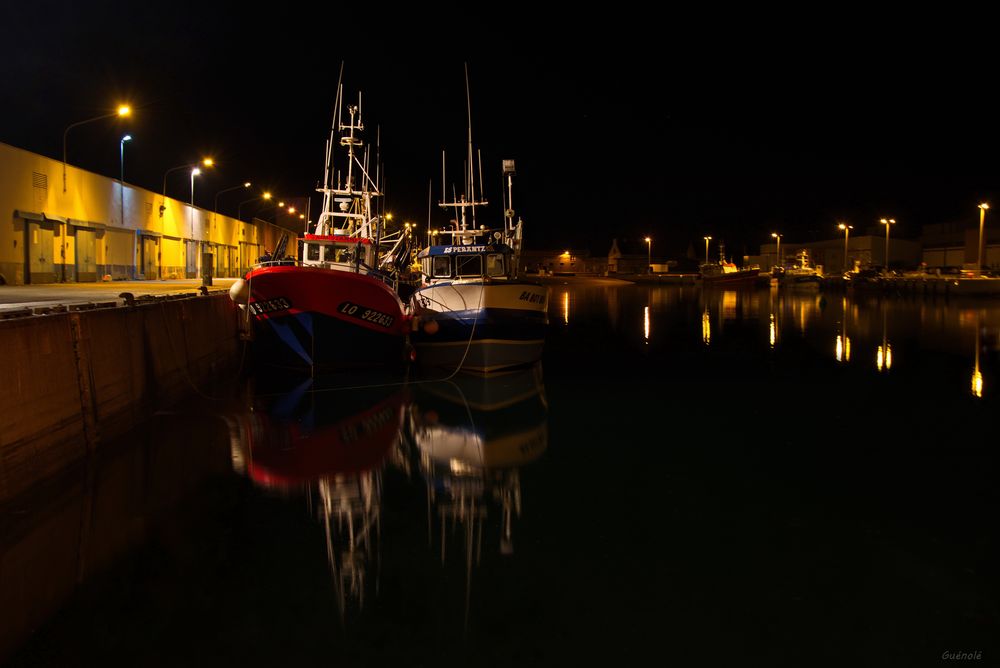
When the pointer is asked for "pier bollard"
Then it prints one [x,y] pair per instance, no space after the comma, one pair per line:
[207,268]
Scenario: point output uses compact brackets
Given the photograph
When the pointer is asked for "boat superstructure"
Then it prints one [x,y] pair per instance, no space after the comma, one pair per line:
[336,307]
[472,310]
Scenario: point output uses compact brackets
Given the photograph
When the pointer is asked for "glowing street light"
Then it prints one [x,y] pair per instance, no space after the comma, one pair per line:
[887,224]
[122,111]
[649,255]
[707,239]
[777,236]
[847,230]
[979,256]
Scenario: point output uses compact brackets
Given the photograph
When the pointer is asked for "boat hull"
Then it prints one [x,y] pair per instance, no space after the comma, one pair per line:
[480,326]
[746,278]
[312,317]
[800,283]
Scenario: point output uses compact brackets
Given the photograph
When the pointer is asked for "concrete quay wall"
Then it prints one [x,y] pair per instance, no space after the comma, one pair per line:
[69,381]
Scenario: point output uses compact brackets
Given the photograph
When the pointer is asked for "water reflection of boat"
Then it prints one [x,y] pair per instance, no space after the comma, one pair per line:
[472,435]
[330,446]
[310,431]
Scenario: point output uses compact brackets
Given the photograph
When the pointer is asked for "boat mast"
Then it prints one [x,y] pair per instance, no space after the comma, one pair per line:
[468,199]
[343,199]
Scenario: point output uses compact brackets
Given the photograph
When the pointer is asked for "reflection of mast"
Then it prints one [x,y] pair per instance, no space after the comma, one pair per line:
[843,340]
[351,514]
[883,356]
[473,434]
[331,450]
[977,376]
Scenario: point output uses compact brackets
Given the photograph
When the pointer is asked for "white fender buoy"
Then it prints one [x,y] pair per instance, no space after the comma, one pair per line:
[239,291]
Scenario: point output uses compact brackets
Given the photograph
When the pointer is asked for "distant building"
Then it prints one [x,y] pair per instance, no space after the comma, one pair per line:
[629,261]
[956,244]
[862,251]
[572,261]
[95,227]
[939,245]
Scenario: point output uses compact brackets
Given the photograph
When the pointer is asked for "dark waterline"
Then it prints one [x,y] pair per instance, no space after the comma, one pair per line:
[713,477]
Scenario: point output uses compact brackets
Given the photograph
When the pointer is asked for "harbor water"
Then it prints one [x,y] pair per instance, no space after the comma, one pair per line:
[753,477]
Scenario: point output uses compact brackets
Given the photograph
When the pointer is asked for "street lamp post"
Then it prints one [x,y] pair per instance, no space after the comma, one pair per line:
[649,255]
[122,111]
[847,230]
[980,259]
[778,261]
[239,209]
[207,162]
[215,209]
[121,181]
[121,198]
[707,239]
[194,172]
[887,223]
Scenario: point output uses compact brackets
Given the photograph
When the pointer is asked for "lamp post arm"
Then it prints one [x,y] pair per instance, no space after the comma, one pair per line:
[239,209]
[172,169]
[70,127]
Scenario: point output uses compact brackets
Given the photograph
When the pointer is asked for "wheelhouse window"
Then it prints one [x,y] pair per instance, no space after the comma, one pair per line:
[340,254]
[494,264]
[442,266]
[471,265]
[312,252]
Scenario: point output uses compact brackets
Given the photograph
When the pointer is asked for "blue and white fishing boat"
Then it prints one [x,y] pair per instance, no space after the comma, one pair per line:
[471,310]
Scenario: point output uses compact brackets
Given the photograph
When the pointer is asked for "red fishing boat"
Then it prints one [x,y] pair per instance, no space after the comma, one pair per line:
[337,306]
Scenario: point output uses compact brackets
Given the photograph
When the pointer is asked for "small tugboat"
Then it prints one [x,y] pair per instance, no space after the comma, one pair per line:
[337,307]
[803,275]
[471,310]
[726,274]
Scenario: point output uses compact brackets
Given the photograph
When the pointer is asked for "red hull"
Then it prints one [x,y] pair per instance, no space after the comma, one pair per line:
[289,290]
[741,278]
[285,453]
[326,318]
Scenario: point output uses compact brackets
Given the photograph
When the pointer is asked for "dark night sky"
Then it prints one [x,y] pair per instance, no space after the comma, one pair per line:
[621,126]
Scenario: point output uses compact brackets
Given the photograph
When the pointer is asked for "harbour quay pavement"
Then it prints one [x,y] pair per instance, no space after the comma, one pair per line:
[24,300]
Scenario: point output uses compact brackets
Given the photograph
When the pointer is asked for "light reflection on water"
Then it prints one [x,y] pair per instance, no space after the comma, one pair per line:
[756,428]
[883,332]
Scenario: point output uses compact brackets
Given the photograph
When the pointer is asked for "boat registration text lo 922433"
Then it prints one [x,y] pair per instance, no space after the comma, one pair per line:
[366,314]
